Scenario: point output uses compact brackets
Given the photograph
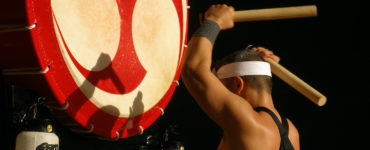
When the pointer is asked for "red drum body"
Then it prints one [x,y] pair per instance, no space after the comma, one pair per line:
[111,66]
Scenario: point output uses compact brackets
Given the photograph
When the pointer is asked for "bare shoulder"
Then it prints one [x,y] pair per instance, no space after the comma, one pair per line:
[293,135]
[239,115]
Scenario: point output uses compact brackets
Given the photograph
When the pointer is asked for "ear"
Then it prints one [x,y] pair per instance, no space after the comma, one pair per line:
[239,82]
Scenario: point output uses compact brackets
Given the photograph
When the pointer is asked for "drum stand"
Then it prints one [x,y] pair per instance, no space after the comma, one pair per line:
[21,71]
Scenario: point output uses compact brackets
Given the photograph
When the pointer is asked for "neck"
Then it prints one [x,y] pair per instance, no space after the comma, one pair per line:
[259,99]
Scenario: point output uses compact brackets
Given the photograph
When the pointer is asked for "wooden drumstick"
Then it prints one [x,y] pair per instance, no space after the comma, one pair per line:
[298,84]
[275,13]
[284,74]
[277,69]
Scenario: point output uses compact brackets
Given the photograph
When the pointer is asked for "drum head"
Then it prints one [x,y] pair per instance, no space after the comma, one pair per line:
[113,64]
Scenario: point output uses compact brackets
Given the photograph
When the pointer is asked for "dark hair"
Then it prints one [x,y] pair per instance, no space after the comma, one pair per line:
[258,82]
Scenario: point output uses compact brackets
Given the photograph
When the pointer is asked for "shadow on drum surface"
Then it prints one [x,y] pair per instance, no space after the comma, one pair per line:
[79,98]
[108,74]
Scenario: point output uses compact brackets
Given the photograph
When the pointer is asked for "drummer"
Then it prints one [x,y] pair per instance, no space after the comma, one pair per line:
[237,95]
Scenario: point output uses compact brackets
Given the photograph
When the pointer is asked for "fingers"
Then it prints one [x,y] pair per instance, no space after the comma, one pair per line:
[266,53]
[263,51]
[222,14]
[221,5]
[275,58]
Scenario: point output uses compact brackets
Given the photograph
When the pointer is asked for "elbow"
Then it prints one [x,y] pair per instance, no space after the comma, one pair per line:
[187,71]
[190,72]
[195,72]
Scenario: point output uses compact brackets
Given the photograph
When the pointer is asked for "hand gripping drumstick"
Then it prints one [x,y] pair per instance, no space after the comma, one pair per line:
[298,84]
[277,69]
[284,74]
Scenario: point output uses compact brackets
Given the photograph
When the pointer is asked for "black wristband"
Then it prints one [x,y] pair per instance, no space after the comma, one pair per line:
[208,29]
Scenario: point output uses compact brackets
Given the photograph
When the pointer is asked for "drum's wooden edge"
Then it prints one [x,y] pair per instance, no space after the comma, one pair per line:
[52,98]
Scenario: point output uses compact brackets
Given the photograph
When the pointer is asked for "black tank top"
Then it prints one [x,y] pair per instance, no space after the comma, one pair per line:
[283,126]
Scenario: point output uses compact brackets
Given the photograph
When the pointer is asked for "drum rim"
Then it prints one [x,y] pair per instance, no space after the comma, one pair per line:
[39,12]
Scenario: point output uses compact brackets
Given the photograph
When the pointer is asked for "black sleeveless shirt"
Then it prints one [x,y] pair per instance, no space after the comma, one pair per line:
[283,126]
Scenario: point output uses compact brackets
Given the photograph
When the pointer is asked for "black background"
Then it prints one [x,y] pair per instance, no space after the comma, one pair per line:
[327,51]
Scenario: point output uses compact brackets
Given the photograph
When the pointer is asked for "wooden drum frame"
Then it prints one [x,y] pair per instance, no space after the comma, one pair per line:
[110,67]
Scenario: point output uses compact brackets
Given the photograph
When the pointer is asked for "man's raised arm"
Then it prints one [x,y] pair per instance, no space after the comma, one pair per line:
[206,88]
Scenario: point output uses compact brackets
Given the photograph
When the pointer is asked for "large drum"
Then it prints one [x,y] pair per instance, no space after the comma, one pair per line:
[110,65]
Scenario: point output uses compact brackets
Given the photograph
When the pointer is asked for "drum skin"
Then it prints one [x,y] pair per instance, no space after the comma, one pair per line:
[108,98]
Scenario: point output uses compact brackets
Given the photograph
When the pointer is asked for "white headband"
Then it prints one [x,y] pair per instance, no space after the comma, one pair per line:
[243,69]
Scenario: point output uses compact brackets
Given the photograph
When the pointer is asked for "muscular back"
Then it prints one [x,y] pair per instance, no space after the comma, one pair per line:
[263,135]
